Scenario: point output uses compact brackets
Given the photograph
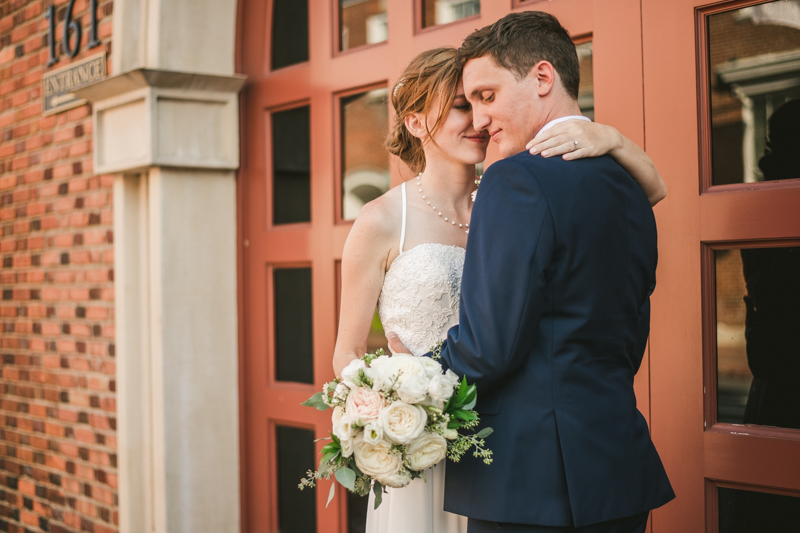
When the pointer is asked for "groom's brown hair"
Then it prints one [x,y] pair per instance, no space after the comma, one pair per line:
[519,41]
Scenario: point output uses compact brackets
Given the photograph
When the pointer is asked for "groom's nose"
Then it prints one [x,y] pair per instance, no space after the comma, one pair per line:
[480,120]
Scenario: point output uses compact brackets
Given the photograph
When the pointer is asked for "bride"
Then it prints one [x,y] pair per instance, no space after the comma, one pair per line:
[405,251]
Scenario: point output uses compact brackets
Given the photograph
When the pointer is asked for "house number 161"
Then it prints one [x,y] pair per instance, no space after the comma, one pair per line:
[72,29]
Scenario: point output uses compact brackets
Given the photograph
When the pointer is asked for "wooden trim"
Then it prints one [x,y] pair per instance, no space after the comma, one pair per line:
[582,38]
[525,3]
[708,289]
[751,460]
[712,505]
[339,144]
[759,214]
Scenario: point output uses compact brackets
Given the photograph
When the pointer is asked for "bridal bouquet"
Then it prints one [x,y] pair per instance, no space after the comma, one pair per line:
[393,417]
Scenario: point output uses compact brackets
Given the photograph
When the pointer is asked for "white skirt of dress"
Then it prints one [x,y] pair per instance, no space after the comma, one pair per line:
[416,508]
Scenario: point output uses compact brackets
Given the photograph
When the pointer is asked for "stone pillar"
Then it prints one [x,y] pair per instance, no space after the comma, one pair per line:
[166,123]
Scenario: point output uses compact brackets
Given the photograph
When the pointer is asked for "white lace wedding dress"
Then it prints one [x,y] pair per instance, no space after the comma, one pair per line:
[419,302]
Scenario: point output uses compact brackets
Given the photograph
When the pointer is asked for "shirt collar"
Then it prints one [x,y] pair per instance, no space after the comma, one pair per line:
[562,119]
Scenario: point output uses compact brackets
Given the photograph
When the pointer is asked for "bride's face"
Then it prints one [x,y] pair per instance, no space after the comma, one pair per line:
[456,138]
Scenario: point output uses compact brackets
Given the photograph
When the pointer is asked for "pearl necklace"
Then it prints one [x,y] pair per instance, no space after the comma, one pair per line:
[452,222]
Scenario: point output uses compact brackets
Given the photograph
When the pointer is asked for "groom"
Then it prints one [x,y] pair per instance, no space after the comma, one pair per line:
[555,309]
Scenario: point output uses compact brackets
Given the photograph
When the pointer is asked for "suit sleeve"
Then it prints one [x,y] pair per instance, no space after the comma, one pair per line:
[509,250]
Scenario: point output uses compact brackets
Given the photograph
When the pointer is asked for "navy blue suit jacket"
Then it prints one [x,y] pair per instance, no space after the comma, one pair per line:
[554,318]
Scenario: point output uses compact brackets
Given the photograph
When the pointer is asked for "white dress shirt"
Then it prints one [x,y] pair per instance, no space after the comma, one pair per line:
[559,120]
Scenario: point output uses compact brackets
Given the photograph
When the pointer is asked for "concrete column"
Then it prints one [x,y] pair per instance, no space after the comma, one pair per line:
[166,123]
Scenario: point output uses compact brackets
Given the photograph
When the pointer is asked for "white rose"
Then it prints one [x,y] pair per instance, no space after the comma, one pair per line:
[376,460]
[432,367]
[414,389]
[426,451]
[338,413]
[440,388]
[401,366]
[350,373]
[344,428]
[450,434]
[380,382]
[373,433]
[402,423]
[453,377]
[396,481]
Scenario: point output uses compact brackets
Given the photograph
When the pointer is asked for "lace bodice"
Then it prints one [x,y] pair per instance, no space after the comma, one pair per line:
[420,294]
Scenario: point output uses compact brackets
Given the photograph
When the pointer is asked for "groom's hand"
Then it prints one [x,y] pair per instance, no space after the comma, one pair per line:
[395,345]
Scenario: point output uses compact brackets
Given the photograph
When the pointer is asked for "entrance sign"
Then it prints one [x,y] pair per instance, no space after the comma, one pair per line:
[58,85]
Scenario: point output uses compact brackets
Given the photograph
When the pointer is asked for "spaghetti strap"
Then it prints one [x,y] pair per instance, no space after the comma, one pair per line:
[403,221]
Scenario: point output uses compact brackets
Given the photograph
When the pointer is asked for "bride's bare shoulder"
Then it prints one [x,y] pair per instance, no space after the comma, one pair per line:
[380,219]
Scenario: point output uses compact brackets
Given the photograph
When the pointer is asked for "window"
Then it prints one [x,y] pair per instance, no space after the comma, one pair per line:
[438,12]
[758,341]
[754,69]
[294,345]
[361,22]
[297,510]
[586,89]
[289,32]
[291,166]
[365,161]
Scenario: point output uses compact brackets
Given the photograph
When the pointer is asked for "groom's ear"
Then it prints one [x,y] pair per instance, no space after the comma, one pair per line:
[544,77]
[415,124]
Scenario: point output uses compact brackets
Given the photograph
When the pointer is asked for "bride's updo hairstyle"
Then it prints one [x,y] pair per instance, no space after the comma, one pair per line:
[432,76]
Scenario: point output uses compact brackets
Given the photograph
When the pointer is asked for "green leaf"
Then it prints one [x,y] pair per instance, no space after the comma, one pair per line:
[331,447]
[356,470]
[347,478]
[377,488]
[485,432]
[328,457]
[331,493]
[471,398]
[316,402]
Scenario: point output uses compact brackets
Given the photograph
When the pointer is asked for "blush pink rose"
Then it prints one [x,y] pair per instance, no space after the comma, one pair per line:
[364,404]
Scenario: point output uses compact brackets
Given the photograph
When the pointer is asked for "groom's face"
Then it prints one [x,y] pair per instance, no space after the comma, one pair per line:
[510,110]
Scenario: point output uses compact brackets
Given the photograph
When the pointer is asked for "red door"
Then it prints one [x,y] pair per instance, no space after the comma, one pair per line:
[314,114]
[724,390]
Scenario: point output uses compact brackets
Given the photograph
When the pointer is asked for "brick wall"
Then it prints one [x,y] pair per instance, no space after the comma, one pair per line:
[58,467]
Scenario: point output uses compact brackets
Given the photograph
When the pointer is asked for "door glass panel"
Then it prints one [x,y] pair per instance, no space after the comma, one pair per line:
[744,511]
[436,12]
[365,161]
[294,346]
[586,88]
[758,338]
[291,166]
[289,32]
[356,512]
[361,22]
[297,510]
[753,56]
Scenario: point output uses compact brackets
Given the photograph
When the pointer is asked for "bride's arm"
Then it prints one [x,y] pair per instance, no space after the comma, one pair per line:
[364,261]
[598,139]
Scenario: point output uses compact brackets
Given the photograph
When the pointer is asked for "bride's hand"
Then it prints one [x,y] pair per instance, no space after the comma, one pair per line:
[593,140]
[395,344]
